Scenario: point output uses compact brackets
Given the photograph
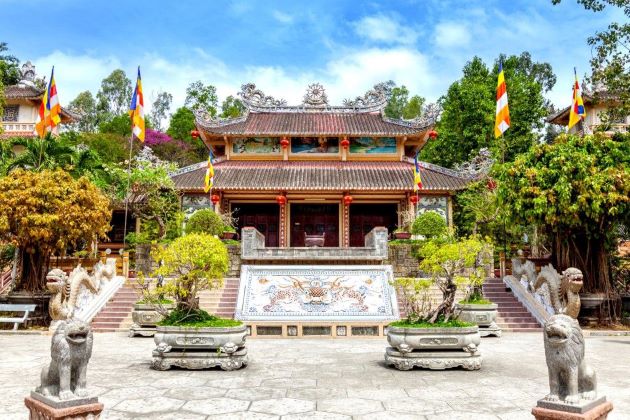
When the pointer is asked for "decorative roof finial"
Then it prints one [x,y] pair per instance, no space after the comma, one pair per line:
[315,96]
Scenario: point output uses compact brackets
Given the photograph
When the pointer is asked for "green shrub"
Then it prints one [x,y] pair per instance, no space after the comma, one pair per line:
[197,318]
[430,225]
[205,221]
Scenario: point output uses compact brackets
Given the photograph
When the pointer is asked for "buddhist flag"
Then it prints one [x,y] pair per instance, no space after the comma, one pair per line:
[48,115]
[502,121]
[417,179]
[136,110]
[209,181]
[578,112]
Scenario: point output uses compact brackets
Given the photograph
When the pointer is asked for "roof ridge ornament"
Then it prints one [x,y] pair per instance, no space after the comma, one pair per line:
[429,117]
[373,98]
[216,121]
[315,96]
[478,167]
[255,98]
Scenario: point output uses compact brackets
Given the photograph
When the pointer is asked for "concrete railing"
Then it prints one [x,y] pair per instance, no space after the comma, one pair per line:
[528,300]
[253,248]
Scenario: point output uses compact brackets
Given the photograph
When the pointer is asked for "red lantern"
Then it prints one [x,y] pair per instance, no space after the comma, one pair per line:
[281,200]
[491,184]
[413,199]
[345,143]
[194,134]
[215,198]
[284,142]
[433,134]
[347,199]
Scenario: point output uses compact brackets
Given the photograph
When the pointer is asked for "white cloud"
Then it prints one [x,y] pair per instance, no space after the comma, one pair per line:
[451,35]
[282,17]
[381,28]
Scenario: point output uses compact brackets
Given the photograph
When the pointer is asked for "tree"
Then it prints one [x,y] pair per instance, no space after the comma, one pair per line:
[610,63]
[577,188]
[467,120]
[85,105]
[399,105]
[232,107]
[202,97]
[46,212]
[9,67]
[118,124]
[39,154]
[182,123]
[205,221]
[114,96]
[160,108]
[413,109]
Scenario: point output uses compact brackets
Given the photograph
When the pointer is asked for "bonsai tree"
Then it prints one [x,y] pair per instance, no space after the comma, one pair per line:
[46,212]
[429,224]
[205,221]
[449,264]
[196,262]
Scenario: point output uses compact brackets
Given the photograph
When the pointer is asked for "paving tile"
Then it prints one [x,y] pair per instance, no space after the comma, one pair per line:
[148,405]
[216,406]
[317,393]
[349,406]
[257,393]
[243,415]
[195,392]
[289,383]
[377,394]
[416,406]
[282,406]
[316,415]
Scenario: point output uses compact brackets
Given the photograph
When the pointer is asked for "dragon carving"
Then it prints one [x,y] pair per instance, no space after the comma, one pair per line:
[563,288]
[65,290]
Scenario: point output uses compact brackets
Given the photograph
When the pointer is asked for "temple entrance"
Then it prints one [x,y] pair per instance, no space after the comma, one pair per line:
[365,217]
[263,216]
[315,219]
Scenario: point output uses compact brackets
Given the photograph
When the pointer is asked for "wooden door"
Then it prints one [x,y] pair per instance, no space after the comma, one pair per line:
[365,217]
[314,219]
[264,217]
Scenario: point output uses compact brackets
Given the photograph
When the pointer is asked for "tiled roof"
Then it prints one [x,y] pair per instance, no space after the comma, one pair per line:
[311,123]
[22,92]
[309,175]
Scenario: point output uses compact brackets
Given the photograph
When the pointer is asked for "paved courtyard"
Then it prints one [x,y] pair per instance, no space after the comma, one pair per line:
[313,379]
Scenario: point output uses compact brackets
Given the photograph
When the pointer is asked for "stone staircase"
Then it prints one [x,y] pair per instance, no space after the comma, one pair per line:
[221,302]
[512,315]
[116,315]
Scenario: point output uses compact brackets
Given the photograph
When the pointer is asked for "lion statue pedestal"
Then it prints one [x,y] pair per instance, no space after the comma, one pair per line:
[63,392]
[572,382]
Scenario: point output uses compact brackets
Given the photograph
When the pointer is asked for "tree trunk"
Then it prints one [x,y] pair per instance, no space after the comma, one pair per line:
[34,266]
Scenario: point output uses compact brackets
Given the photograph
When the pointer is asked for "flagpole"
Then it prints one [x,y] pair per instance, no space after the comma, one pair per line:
[127,191]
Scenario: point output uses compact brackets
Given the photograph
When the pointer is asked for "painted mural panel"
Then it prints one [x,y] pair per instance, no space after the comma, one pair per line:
[315,145]
[373,145]
[256,145]
[438,204]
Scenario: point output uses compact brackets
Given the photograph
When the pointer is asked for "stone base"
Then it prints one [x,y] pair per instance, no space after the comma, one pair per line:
[42,411]
[136,329]
[593,410]
[492,329]
[199,359]
[435,360]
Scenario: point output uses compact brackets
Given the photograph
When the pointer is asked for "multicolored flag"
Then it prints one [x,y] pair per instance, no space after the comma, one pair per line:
[49,114]
[136,110]
[502,121]
[209,181]
[417,179]
[578,112]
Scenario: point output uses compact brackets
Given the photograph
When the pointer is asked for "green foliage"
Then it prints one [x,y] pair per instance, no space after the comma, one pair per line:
[85,105]
[400,105]
[182,123]
[114,96]
[202,97]
[119,125]
[475,300]
[429,224]
[439,323]
[9,67]
[7,252]
[197,261]
[111,148]
[197,319]
[205,221]
[232,107]
[160,108]
[468,111]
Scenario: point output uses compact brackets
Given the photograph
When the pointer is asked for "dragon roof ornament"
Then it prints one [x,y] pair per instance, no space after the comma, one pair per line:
[429,117]
[255,98]
[479,166]
[373,98]
[203,116]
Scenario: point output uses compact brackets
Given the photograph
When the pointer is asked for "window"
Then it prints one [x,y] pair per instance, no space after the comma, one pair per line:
[11,113]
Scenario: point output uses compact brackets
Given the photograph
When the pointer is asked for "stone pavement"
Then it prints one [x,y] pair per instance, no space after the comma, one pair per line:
[313,379]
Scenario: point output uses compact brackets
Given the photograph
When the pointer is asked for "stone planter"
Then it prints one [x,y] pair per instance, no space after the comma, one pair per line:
[200,348]
[145,318]
[484,315]
[433,348]
[402,235]
[228,235]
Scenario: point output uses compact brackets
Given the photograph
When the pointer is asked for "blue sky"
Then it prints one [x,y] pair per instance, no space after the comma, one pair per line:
[282,46]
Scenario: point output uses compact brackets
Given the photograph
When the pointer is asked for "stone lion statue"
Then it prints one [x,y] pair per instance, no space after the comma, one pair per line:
[564,289]
[570,378]
[71,349]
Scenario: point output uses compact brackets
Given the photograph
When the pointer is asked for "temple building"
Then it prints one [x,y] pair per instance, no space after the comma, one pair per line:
[22,103]
[316,170]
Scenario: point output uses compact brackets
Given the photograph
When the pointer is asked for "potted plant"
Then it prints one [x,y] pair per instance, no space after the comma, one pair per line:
[188,336]
[150,309]
[404,229]
[475,308]
[229,233]
[433,337]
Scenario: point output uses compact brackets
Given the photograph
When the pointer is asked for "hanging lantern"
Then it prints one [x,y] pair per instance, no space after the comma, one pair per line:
[281,200]
[491,184]
[194,134]
[284,142]
[345,143]
[347,199]
[433,134]
[215,198]
[413,199]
